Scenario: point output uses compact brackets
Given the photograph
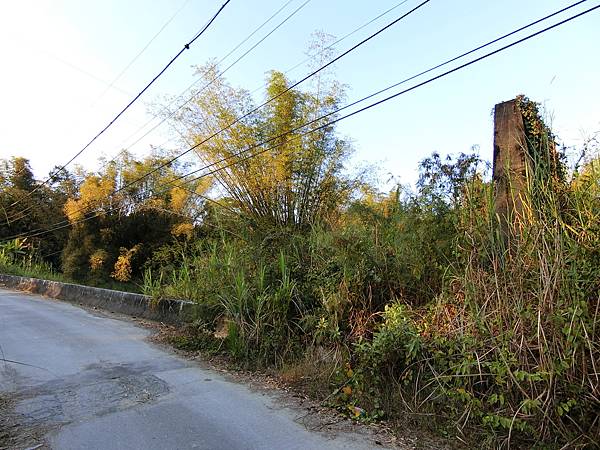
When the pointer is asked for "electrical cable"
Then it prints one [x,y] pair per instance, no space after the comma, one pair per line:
[185,47]
[109,85]
[141,52]
[172,113]
[343,38]
[354,31]
[386,99]
[292,86]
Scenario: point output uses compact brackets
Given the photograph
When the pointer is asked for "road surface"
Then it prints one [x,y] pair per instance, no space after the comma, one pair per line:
[80,380]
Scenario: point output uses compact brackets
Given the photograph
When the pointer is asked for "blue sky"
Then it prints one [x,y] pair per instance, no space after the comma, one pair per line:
[59,56]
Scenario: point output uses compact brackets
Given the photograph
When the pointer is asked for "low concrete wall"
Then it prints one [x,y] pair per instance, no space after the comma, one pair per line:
[137,305]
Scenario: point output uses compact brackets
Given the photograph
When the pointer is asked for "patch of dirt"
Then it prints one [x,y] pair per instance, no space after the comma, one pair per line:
[14,433]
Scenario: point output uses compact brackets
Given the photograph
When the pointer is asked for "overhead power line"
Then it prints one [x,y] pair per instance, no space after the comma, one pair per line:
[431,69]
[21,214]
[141,52]
[172,113]
[109,85]
[351,114]
[194,95]
[72,65]
[163,70]
[344,37]
[310,75]
[384,100]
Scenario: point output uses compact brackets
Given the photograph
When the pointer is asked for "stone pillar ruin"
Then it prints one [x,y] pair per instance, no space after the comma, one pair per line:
[511,162]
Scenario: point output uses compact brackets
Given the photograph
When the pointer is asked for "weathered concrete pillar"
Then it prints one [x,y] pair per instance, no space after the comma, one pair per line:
[511,162]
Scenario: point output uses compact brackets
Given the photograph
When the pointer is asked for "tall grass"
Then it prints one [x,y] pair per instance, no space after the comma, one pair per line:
[512,344]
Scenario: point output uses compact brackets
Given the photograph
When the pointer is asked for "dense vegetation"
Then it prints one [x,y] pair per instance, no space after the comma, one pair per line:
[75,226]
[413,304]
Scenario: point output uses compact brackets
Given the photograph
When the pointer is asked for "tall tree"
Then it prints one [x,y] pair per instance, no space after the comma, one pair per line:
[289,178]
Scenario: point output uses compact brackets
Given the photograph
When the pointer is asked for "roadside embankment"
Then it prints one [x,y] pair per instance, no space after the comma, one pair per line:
[137,305]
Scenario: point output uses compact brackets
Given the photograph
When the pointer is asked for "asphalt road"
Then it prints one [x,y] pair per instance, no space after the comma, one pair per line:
[88,381]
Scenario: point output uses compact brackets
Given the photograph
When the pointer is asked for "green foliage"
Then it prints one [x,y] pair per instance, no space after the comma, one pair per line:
[541,143]
[434,311]
[511,343]
[14,251]
[196,337]
[281,289]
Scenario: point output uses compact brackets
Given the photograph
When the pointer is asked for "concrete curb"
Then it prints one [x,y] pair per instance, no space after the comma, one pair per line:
[138,305]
